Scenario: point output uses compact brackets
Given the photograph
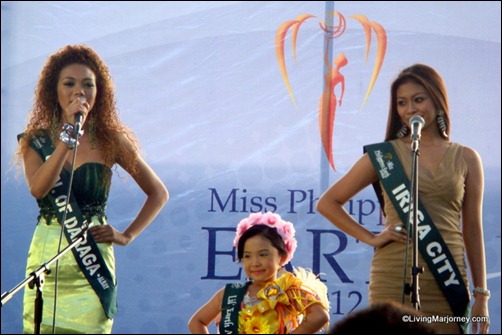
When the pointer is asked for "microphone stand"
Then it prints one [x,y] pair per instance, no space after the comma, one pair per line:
[37,277]
[415,269]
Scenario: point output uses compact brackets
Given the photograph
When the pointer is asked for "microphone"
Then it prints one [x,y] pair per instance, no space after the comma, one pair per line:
[416,122]
[78,122]
[79,118]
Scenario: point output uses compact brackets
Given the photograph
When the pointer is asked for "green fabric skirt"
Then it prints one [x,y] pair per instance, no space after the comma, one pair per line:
[78,309]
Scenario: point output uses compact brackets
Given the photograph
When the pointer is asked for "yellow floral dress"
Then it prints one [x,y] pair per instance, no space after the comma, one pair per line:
[282,304]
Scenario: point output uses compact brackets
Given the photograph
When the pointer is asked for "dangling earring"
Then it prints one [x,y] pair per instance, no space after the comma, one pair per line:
[92,131]
[402,132]
[54,124]
[441,123]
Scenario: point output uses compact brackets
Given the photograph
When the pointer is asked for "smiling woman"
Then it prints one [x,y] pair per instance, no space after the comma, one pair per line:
[451,184]
[199,84]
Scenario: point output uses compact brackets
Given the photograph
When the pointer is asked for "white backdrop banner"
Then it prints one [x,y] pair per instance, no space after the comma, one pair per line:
[232,124]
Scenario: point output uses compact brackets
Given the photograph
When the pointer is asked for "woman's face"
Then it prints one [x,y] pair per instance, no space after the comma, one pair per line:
[76,80]
[261,260]
[413,99]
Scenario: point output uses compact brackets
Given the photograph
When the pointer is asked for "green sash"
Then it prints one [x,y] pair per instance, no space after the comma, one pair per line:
[86,253]
[231,306]
[431,244]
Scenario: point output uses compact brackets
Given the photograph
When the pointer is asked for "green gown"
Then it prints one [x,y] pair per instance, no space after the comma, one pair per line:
[78,308]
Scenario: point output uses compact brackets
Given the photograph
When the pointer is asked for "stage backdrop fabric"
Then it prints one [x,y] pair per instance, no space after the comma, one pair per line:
[200,84]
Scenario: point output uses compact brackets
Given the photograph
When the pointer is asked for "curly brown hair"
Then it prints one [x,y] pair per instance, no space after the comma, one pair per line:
[104,112]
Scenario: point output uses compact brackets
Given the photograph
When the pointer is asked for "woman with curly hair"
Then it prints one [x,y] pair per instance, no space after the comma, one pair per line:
[74,109]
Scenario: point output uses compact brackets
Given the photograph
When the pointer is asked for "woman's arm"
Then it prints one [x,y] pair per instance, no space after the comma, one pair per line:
[331,203]
[472,229]
[41,176]
[156,197]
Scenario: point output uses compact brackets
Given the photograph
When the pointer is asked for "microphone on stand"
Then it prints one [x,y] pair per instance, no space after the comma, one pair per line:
[78,122]
[79,118]
[416,125]
[416,122]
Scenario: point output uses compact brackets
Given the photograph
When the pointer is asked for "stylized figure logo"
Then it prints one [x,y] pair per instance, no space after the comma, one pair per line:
[333,76]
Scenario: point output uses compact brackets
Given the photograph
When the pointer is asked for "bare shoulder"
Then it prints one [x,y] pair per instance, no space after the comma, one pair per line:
[125,144]
[123,139]
[219,293]
[471,156]
[217,298]
[214,303]
[363,167]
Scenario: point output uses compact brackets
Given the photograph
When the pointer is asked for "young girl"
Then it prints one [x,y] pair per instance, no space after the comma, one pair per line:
[273,301]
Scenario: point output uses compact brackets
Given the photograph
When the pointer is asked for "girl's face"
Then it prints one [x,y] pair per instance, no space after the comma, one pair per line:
[261,260]
[413,99]
[76,80]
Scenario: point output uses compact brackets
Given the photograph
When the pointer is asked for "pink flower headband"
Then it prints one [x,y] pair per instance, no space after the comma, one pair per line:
[284,228]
